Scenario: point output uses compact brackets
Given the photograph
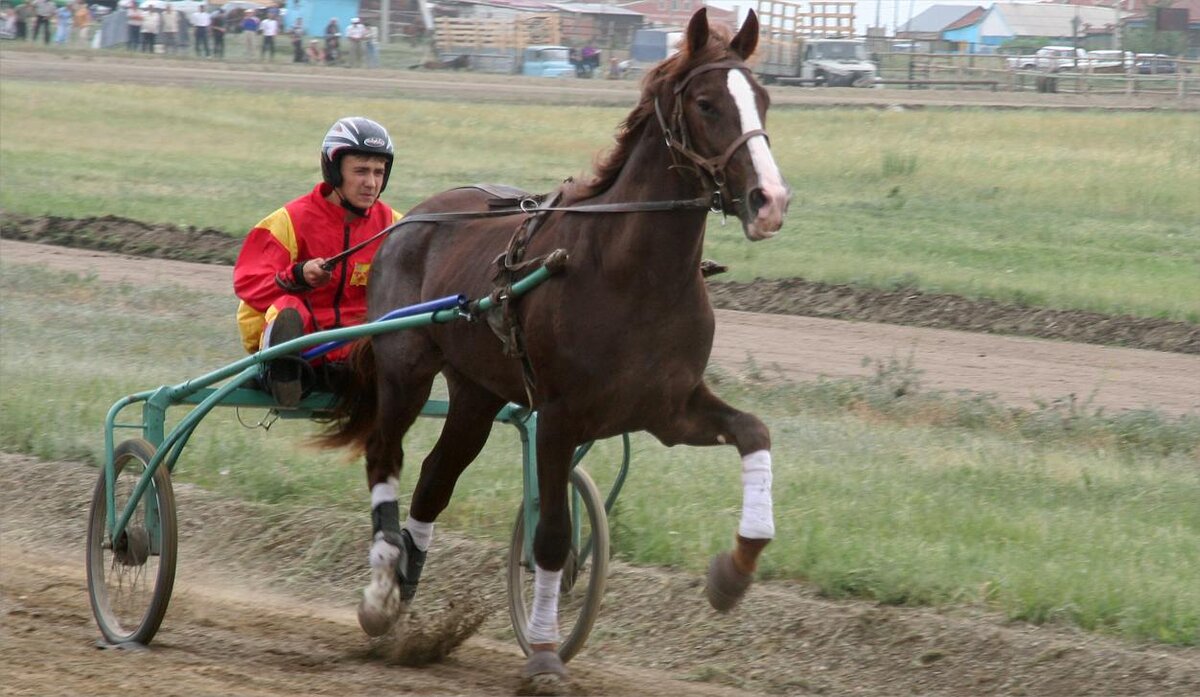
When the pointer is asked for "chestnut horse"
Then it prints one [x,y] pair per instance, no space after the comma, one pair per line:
[616,342]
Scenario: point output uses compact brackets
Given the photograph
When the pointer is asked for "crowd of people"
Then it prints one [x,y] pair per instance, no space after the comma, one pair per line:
[157,27]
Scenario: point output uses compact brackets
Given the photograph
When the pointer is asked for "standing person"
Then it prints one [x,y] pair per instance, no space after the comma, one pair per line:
[332,35]
[133,24]
[357,34]
[297,34]
[249,30]
[63,18]
[170,30]
[201,20]
[82,22]
[151,23]
[270,29]
[219,22]
[26,13]
[280,278]
[372,42]
[44,12]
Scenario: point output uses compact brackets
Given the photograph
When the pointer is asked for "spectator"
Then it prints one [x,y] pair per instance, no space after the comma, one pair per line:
[44,11]
[170,29]
[133,22]
[333,34]
[270,29]
[151,24]
[82,22]
[315,54]
[201,20]
[220,24]
[26,13]
[249,30]
[62,30]
[356,33]
[9,29]
[297,34]
[372,42]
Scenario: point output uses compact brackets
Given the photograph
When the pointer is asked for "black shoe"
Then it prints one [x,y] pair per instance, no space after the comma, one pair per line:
[283,373]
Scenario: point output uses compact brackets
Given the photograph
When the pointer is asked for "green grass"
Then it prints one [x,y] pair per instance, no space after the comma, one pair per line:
[882,490]
[1094,211]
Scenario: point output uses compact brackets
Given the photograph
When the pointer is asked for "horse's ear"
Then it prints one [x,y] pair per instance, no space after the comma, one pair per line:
[697,31]
[747,38]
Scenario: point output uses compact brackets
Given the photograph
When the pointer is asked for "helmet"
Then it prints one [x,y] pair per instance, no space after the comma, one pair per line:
[358,135]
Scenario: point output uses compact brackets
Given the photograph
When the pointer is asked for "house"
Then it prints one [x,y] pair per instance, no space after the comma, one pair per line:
[600,25]
[674,14]
[962,35]
[1052,22]
[928,27]
[317,13]
[1167,15]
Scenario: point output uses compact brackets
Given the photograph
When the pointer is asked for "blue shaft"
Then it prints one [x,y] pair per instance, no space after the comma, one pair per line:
[446,303]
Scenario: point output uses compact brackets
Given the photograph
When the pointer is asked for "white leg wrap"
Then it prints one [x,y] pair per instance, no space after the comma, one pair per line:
[543,618]
[421,533]
[384,492]
[758,519]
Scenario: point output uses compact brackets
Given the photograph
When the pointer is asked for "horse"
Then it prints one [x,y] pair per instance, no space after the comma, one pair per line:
[616,342]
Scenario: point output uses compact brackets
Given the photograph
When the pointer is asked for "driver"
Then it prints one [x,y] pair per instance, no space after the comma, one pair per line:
[279,276]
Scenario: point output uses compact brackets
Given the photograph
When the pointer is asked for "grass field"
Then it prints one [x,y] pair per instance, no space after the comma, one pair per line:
[921,499]
[910,500]
[1092,211]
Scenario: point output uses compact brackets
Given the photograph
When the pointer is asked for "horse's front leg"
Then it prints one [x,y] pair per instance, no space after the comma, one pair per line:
[544,670]
[707,420]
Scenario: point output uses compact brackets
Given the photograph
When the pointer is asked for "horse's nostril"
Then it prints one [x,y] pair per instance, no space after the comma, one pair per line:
[757,199]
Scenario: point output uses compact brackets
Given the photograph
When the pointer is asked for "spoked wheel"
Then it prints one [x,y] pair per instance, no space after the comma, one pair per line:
[130,578]
[584,575]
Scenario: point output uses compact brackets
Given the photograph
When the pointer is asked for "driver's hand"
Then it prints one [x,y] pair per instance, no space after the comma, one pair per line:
[314,275]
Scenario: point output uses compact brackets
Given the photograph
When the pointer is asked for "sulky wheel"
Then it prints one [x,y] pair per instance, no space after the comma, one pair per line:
[130,578]
[584,575]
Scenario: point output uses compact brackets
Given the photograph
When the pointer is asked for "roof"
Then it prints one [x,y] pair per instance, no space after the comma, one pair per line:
[936,18]
[1052,19]
[593,8]
[967,20]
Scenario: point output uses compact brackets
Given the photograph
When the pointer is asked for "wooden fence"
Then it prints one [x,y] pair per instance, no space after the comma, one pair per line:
[966,71]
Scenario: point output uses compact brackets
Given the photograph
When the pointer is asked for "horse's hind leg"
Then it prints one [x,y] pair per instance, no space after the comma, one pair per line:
[404,386]
[707,420]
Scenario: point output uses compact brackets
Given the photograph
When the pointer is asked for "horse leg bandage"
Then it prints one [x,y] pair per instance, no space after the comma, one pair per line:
[385,523]
[421,533]
[758,518]
[543,618]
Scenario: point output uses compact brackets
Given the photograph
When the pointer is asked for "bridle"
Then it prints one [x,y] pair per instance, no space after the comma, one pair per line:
[679,141]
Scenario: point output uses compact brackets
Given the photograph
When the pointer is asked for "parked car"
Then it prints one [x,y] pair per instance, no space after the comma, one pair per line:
[1155,64]
[1113,61]
[1052,59]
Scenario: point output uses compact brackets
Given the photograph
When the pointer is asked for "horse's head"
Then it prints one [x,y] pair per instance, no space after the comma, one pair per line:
[713,112]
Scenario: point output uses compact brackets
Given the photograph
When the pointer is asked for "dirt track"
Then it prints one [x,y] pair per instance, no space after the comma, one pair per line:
[249,618]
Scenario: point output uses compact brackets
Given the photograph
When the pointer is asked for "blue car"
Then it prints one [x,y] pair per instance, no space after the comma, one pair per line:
[547,61]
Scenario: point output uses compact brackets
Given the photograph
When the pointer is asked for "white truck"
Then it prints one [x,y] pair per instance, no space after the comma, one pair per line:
[1052,59]
[811,45]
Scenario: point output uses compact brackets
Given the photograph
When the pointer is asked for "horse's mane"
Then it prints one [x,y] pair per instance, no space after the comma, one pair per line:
[658,81]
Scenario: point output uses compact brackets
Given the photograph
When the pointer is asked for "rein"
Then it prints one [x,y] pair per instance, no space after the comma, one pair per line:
[526,206]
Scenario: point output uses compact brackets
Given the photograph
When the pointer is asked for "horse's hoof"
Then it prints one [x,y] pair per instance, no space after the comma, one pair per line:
[544,674]
[374,621]
[726,584]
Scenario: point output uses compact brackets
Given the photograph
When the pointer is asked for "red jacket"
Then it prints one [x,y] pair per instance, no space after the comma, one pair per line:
[267,275]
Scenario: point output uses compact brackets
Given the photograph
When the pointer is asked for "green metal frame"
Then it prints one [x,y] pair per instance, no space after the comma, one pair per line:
[205,394]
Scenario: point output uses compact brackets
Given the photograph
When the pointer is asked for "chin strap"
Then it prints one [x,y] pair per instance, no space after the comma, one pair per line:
[360,212]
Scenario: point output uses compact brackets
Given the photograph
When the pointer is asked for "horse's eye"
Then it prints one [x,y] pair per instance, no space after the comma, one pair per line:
[705,106]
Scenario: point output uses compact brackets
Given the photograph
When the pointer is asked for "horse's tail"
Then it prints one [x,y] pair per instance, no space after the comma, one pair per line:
[352,419]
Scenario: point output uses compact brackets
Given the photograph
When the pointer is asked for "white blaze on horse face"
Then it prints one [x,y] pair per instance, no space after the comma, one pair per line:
[770,216]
